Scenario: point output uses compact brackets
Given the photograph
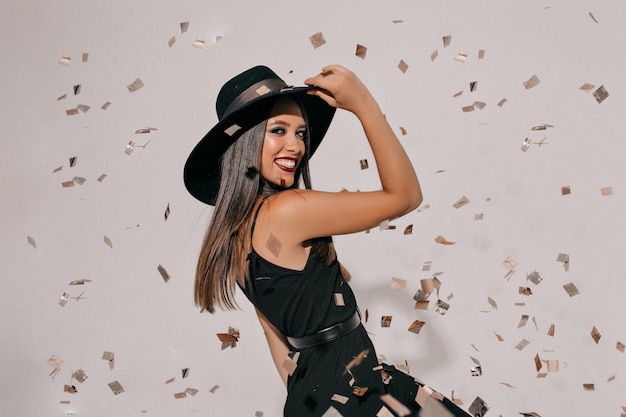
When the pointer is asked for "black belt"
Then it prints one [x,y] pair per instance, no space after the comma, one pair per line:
[327,334]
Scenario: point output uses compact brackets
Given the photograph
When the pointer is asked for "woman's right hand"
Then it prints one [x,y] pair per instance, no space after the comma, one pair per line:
[341,88]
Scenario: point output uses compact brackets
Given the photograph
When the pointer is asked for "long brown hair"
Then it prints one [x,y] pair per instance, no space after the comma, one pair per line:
[223,256]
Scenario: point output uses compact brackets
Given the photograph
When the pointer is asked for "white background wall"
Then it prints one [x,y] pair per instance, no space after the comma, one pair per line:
[153,328]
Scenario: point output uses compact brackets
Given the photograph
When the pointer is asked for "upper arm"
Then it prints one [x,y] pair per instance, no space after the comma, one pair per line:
[308,214]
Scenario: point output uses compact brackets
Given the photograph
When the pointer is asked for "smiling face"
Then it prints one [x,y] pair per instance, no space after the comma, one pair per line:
[284,143]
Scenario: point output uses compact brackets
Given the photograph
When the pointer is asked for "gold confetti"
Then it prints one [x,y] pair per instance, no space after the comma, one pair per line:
[460,93]
[403,131]
[492,303]
[403,66]
[562,257]
[364,164]
[229,340]
[593,17]
[595,335]
[434,55]
[606,191]
[589,387]
[339,301]
[83,108]
[85,56]
[184,27]
[116,387]
[198,43]
[620,346]
[478,408]
[164,274]
[571,289]
[385,321]
[481,54]
[332,412]
[106,105]
[79,282]
[473,85]
[501,102]
[522,344]
[600,94]
[71,112]
[467,109]
[130,147]
[416,326]
[339,398]
[214,388]
[446,41]
[185,372]
[531,414]
[500,338]
[273,245]
[534,277]
[398,284]
[166,215]
[531,82]
[523,321]
[408,230]
[461,57]
[63,97]
[102,177]
[79,375]
[443,241]
[442,307]
[400,409]
[31,242]
[145,130]
[64,298]
[525,144]
[361,51]
[110,358]
[587,87]
[172,41]
[70,389]
[169,381]
[135,85]
[479,105]
[461,202]
[317,40]
[551,330]
[566,190]
[478,216]
[77,89]
[180,395]
[65,60]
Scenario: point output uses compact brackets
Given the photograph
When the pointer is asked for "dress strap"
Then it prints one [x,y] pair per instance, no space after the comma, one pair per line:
[256,214]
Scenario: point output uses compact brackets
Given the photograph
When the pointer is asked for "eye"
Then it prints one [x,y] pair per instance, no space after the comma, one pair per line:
[277,131]
[302,134]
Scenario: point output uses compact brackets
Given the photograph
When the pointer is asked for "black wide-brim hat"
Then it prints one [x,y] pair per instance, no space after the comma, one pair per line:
[243,102]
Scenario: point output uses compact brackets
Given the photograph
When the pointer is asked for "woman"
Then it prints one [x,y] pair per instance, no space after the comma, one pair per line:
[272,239]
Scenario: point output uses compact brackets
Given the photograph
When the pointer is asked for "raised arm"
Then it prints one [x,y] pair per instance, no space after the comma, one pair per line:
[304,214]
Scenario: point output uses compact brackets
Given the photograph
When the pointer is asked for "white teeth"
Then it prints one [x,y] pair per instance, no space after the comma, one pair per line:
[287,163]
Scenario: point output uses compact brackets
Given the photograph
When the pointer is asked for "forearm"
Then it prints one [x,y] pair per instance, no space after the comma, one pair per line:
[279,349]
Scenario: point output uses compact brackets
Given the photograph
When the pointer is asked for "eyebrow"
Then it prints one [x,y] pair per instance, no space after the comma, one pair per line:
[283,123]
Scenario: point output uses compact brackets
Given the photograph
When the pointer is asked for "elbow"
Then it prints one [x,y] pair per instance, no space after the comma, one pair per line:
[414,199]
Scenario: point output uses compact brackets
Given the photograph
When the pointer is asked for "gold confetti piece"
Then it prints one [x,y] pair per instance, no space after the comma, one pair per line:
[70,389]
[571,289]
[164,274]
[364,164]
[339,398]
[130,147]
[171,41]
[332,412]
[478,408]
[434,55]
[458,94]
[169,381]
[467,109]
[500,339]
[589,387]
[408,230]
[398,283]
[191,391]
[79,180]
[185,372]
[620,346]
[551,330]
[416,326]
[427,265]
[566,190]
[522,344]
[525,144]
[65,60]
[442,307]
[65,402]
[446,41]
[506,384]
[167,212]
[73,160]
[523,321]
[145,130]
[79,282]
[108,242]
[524,291]
[105,105]
[71,112]
[79,375]
[180,395]
[273,245]
[562,257]
[214,388]
[258,414]
[461,202]
[501,102]
[534,277]
[479,216]
[77,89]
[492,303]
[587,87]
[63,97]
[595,335]
[339,301]
[361,51]
[135,85]
[553,365]
[611,378]
[102,177]
[385,321]
[606,191]
[473,85]
[85,57]
[481,54]
[83,108]
[359,391]
[600,94]
[317,40]
[423,208]
[479,105]
[443,241]
[400,409]
[531,82]
[116,387]
[403,66]
[109,357]
[593,17]
[31,242]
[510,265]
[198,43]
[461,57]
[531,414]
[184,27]
[64,298]
[403,131]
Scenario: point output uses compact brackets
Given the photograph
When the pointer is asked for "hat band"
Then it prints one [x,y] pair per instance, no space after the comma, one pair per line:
[255,90]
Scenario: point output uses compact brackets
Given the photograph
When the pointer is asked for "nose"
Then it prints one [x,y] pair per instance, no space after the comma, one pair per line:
[293,142]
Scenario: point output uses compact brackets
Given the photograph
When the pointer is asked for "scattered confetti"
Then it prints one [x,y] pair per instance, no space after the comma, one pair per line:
[273,245]
[398,283]
[522,344]
[171,41]
[164,274]
[198,43]
[403,66]
[400,409]
[31,242]
[461,57]
[385,321]
[531,82]
[461,202]
[565,259]
[63,300]
[65,60]
[185,372]
[167,212]
[416,326]
[443,241]
[317,40]
[566,190]
[478,408]
[446,41]
[80,376]
[600,94]
[501,102]
[408,230]
[361,51]
[589,387]
[551,330]
[587,87]
[606,191]
[595,335]
[571,289]
[481,54]
[339,398]
[593,17]
[184,27]
[85,57]
[55,363]
[116,387]
[110,358]
[434,55]
[492,303]
[145,130]
[523,321]
[525,144]
[135,85]
[106,105]
[620,346]
[364,164]
[108,242]
[230,339]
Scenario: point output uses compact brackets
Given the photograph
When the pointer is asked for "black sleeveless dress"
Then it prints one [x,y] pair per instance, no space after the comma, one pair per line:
[343,374]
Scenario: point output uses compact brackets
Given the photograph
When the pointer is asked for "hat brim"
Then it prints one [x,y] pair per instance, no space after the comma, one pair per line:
[202,169]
